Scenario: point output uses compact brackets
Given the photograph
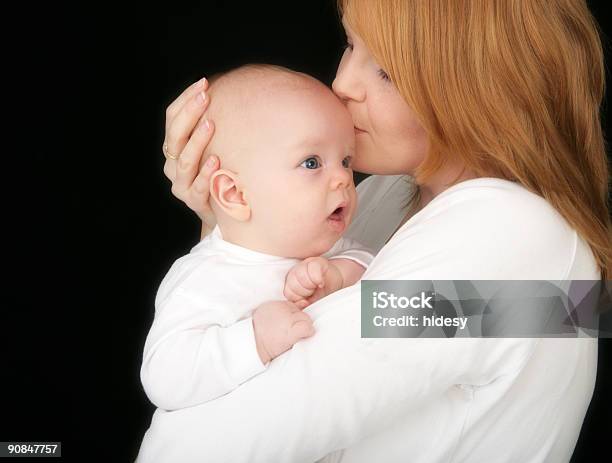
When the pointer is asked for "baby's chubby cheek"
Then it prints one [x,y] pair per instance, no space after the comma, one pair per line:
[311,239]
[353,196]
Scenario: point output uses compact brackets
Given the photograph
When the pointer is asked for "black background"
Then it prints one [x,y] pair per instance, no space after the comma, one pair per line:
[90,225]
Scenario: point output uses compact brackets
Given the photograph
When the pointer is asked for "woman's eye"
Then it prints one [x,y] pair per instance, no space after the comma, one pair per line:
[347,162]
[311,163]
[383,75]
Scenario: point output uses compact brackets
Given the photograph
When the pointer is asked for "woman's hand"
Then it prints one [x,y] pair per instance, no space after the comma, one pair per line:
[187,135]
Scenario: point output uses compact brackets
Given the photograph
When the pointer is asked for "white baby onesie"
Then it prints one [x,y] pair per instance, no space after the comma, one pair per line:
[201,344]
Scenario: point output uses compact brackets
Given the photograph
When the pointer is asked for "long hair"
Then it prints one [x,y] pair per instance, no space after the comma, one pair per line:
[511,87]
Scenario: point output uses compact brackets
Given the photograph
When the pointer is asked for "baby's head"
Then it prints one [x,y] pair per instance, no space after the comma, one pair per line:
[285,142]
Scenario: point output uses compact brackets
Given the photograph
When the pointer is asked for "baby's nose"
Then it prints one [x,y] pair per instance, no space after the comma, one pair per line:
[341,177]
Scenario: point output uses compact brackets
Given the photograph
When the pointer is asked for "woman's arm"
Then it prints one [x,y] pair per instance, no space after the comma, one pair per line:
[326,394]
[335,389]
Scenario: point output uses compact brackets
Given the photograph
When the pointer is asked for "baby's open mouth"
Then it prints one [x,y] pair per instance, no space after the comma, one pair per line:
[338,214]
[336,219]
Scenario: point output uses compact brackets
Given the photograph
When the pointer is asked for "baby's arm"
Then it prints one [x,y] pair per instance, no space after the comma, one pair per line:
[349,270]
[197,351]
[192,354]
[349,249]
[351,259]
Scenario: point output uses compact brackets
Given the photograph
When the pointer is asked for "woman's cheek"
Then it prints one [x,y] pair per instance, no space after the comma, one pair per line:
[404,141]
[367,155]
[415,146]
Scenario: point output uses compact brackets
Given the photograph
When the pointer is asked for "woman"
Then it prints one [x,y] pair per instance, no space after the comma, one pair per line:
[492,107]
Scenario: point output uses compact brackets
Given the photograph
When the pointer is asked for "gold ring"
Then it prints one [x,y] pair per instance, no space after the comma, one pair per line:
[167,154]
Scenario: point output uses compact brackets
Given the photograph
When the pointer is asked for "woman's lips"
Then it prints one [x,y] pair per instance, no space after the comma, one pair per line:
[358,130]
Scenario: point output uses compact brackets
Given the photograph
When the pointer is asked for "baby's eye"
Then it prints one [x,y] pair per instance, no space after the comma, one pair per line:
[311,163]
[347,162]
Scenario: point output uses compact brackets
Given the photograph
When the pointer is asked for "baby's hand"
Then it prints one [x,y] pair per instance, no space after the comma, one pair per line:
[278,325]
[310,280]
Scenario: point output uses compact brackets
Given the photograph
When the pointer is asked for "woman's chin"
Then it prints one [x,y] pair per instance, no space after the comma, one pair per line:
[363,166]
[377,165]
[377,169]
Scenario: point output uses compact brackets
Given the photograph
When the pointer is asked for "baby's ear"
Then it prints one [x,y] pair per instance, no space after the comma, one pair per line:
[226,192]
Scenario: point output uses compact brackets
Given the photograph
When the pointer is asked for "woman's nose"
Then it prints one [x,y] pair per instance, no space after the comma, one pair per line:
[346,85]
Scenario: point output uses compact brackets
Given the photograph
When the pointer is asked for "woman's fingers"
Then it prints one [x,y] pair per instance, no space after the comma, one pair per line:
[187,94]
[198,199]
[170,169]
[181,126]
[188,164]
[201,182]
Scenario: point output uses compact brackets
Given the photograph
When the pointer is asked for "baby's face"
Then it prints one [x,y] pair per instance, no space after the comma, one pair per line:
[298,177]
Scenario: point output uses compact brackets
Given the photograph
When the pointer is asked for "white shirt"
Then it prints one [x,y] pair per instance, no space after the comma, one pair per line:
[417,400]
[202,344]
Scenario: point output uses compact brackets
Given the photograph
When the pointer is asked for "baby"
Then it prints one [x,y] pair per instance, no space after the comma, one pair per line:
[282,199]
